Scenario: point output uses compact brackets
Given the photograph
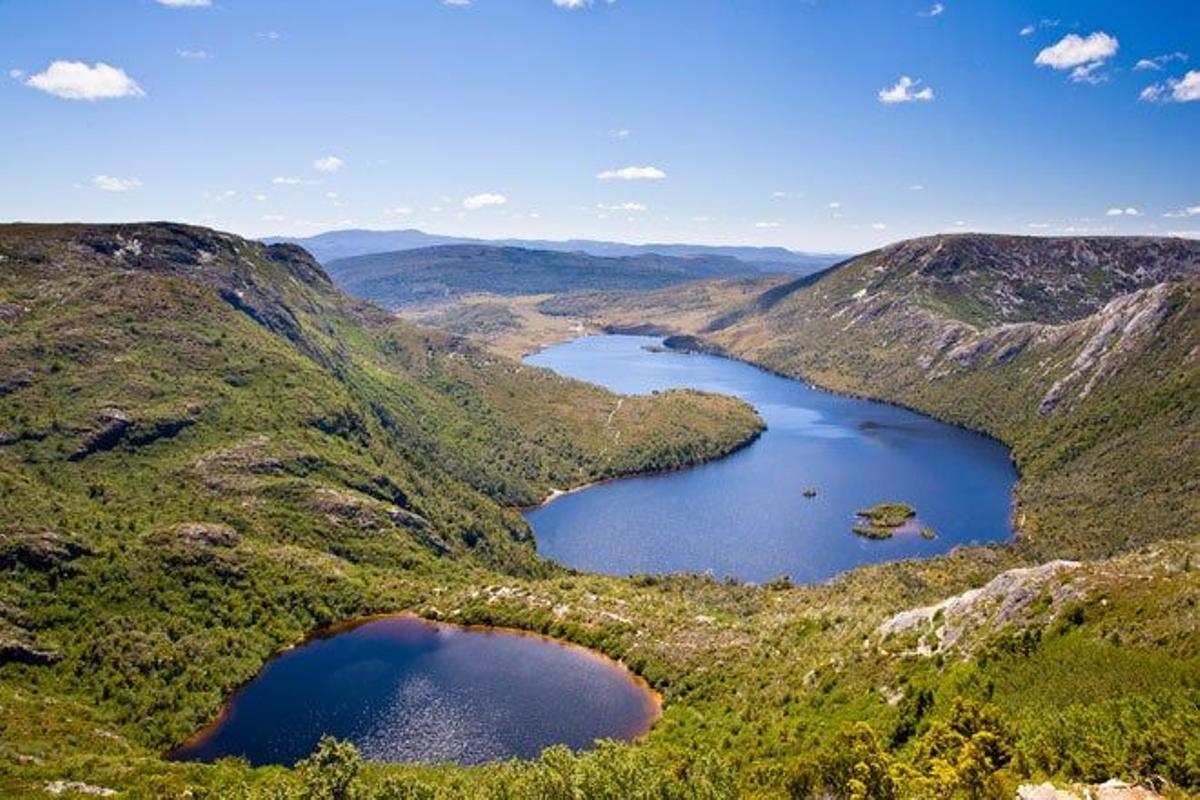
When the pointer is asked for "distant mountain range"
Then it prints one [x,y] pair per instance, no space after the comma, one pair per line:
[327,247]
[445,272]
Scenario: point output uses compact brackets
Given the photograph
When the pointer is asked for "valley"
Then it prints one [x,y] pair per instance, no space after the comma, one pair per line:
[276,457]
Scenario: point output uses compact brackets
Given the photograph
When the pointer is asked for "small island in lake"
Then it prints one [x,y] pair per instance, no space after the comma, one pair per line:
[882,520]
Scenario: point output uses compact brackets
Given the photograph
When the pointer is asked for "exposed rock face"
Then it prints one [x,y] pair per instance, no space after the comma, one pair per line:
[38,549]
[15,651]
[1024,278]
[115,427]
[959,621]
[1109,790]
[77,787]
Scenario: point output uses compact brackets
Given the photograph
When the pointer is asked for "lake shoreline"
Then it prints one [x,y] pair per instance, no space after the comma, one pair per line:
[212,727]
[1015,514]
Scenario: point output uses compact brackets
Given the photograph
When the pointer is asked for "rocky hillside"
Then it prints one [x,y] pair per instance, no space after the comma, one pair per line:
[985,280]
[441,274]
[1081,353]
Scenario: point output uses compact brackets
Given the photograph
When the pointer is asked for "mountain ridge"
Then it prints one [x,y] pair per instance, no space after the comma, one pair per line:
[333,245]
[445,272]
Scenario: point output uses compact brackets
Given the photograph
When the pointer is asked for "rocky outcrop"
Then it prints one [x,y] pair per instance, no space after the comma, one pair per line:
[78,787]
[115,427]
[1109,790]
[41,549]
[966,619]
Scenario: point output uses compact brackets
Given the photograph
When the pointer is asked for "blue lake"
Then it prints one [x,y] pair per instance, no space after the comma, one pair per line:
[745,515]
[405,690]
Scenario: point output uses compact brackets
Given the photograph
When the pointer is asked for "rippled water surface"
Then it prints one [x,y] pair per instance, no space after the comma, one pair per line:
[745,515]
[403,690]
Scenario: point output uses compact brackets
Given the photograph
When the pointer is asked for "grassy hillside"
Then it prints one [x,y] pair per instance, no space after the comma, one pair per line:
[439,274]
[208,453]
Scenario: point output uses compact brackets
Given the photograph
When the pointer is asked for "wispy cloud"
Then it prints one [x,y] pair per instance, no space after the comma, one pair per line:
[631,206]
[328,164]
[1123,212]
[477,201]
[1190,211]
[185,3]
[763,224]
[632,174]
[1158,63]
[107,183]
[1033,27]
[1082,55]
[935,10]
[283,180]
[905,91]
[75,80]
[193,55]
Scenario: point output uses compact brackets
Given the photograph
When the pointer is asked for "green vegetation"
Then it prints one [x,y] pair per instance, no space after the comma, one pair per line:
[438,274]
[883,519]
[206,453]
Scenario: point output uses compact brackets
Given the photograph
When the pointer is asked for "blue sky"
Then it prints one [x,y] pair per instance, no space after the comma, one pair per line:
[815,124]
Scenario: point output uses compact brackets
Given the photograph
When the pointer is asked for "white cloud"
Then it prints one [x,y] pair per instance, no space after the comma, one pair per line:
[905,91]
[476,201]
[835,205]
[285,181]
[1083,55]
[107,183]
[328,164]
[185,3]
[1187,88]
[1153,93]
[1175,90]
[917,187]
[766,224]
[1185,234]
[398,211]
[1123,212]
[879,226]
[262,198]
[273,218]
[456,2]
[74,80]
[1190,211]
[1157,63]
[619,133]
[269,35]
[632,174]
[1039,226]
[633,206]
[16,74]
[935,10]
[1033,27]
[193,55]
[572,3]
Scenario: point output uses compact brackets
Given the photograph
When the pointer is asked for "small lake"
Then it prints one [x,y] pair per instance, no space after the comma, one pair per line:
[406,690]
[746,515]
